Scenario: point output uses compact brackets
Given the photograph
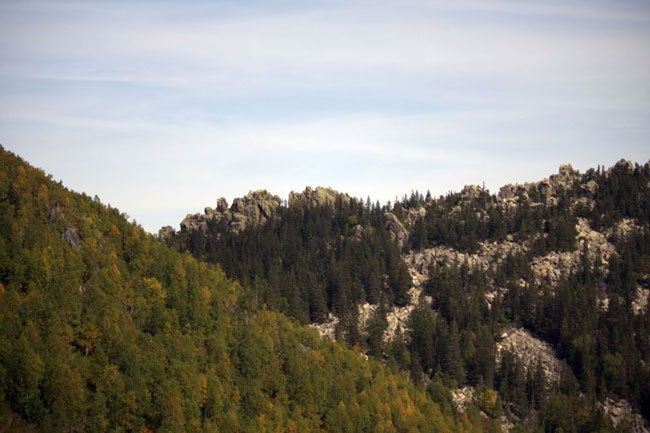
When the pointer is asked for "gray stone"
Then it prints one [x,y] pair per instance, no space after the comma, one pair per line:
[166,233]
[395,228]
[253,209]
[317,197]
[71,236]
[222,205]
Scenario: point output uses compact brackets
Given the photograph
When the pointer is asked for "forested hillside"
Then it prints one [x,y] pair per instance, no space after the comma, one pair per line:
[104,328]
[539,293]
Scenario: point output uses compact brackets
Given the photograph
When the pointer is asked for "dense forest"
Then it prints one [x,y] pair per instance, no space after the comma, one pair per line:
[313,261]
[105,328]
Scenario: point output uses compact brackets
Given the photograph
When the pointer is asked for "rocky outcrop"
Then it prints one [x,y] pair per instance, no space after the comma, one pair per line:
[318,197]
[327,329]
[622,164]
[513,193]
[488,256]
[396,229]
[71,236]
[546,189]
[471,192]
[553,266]
[530,351]
[620,411]
[166,233]
[622,229]
[640,301]
[397,318]
[412,215]
[357,232]
[463,397]
[255,208]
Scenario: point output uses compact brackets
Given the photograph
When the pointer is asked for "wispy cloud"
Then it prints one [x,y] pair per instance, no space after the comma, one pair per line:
[189,102]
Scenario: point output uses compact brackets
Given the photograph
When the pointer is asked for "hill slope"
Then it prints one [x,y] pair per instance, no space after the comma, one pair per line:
[452,286]
[104,328]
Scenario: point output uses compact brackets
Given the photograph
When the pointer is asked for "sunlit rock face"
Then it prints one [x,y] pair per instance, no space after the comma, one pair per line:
[254,208]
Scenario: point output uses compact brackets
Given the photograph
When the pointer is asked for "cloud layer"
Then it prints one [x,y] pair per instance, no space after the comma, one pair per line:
[160,107]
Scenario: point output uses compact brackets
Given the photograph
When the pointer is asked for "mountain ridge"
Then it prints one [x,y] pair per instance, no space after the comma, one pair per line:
[444,279]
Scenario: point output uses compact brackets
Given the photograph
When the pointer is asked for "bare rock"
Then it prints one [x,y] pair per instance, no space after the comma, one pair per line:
[513,193]
[488,256]
[192,222]
[530,351]
[471,192]
[166,233]
[623,164]
[620,411]
[222,205]
[583,202]
[327,329]
[591,187]
[255,208]
[640,301]
[463,397]
[622,229]
[553,266]
[396,229]
[71,236]
[565,177]
[358,232]
[54,212]
[414,214]
[317,197]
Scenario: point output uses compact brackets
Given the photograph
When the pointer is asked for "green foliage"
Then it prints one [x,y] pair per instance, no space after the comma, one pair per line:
[103,328]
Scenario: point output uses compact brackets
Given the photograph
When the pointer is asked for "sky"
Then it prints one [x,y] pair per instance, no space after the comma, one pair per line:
[161,107]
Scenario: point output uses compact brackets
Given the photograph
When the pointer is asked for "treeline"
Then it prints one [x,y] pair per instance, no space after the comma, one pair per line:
[103,328]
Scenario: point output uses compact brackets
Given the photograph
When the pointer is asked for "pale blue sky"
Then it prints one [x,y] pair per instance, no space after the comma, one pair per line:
[161,107]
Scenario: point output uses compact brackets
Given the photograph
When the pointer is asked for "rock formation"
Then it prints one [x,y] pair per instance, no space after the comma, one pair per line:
[71,236]
[619,411]
[255,208]
[320,196]
[546,189]
[395,228]
[553,266]
[166,233]
[530,351]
